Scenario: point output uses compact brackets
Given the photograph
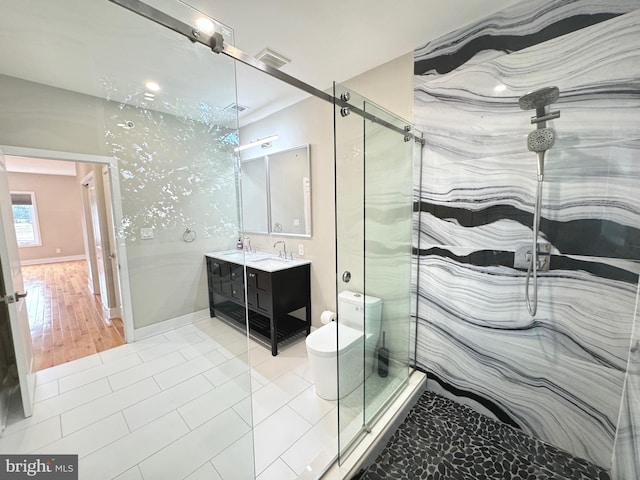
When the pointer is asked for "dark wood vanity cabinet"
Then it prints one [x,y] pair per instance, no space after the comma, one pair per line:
[271,299]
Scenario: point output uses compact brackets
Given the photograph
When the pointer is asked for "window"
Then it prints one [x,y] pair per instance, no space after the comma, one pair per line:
[25,219]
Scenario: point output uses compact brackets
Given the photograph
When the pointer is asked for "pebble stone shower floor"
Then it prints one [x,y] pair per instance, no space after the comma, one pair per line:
[443,440]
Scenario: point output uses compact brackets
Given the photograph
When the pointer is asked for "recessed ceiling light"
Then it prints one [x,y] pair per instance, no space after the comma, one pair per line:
[152,86]
[205,25]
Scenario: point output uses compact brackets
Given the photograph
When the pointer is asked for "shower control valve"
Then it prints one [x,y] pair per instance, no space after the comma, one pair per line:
[522,256]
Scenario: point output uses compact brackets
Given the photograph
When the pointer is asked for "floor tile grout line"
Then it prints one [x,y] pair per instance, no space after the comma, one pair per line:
[148,376]
[160,393]
[62,436]
[101,418]
[59,413]
[99,378]
[297,438]
[190,431]
[148,456]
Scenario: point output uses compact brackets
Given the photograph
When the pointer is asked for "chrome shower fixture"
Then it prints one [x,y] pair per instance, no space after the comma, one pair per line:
[539,141]
[543,138]
[540,98]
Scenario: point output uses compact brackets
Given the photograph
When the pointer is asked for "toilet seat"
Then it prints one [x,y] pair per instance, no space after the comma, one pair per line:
[322,342]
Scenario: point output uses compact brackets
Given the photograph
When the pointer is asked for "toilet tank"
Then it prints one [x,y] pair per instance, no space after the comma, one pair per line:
[354,308]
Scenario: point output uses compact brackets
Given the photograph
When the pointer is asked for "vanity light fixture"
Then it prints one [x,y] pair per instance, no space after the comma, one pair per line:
[256,143]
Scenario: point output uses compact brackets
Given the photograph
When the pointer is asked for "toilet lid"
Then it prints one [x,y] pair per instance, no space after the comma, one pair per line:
[323,340]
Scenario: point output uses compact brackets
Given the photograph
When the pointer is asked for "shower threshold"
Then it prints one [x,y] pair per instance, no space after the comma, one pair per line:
[329,469]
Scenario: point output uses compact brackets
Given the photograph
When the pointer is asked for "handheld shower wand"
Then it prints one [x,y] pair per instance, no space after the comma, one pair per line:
[538,141]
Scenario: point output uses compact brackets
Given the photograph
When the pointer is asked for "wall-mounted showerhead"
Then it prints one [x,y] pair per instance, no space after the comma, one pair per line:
[539,98]
[538,141]
[543,138]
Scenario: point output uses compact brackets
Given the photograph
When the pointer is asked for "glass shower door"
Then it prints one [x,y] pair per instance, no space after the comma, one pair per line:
[374,175]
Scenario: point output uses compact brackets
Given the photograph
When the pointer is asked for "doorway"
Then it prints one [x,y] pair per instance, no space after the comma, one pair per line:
[75,301]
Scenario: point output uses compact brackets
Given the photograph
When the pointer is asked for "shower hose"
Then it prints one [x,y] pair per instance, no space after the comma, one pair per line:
[532,303]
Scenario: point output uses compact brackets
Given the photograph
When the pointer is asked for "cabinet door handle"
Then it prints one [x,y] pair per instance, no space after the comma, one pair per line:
[252,275]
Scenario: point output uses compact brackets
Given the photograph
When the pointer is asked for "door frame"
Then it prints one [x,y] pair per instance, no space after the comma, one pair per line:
[98,275]
[116,204]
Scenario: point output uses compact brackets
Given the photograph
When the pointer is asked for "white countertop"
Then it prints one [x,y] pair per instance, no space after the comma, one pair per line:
[258,260]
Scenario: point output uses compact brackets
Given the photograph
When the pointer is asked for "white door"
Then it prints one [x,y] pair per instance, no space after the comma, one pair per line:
[13,296]
[97,238]
[113,254]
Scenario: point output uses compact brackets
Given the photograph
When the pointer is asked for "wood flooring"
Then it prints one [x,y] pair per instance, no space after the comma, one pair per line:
[67,321]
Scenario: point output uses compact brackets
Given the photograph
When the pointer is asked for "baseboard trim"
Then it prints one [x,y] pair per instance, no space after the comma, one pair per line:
[39,261]
[170,324]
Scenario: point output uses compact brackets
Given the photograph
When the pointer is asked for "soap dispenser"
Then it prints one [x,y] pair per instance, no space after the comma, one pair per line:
[239,245]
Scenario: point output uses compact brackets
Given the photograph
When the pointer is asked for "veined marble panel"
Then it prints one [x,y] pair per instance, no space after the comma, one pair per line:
[581,421]
[575,306]
[519,26]
[474,113]
[555,375]
[626,456]
[560,375]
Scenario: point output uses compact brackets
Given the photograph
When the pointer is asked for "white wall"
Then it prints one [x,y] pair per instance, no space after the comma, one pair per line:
[59,208]
[168,183]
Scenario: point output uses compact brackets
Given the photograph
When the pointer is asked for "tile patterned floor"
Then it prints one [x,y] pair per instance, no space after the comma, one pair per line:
[443,440]
[177,406]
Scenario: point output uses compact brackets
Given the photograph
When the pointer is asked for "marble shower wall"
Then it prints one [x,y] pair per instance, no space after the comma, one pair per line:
[561,375]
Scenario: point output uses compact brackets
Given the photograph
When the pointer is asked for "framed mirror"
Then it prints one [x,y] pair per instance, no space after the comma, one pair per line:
[255,212]
[276,193]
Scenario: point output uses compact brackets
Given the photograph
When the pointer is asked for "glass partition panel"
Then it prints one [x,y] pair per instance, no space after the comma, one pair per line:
[349,184]
[92,81]
[373,246]
[388,207]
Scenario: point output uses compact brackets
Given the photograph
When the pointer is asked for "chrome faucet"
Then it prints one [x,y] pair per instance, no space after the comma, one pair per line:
[248,244]
[283,253]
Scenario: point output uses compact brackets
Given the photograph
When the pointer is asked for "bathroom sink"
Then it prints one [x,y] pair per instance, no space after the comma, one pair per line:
[272,264]
[259,260]
[239,256]
[257,256]
[273,260]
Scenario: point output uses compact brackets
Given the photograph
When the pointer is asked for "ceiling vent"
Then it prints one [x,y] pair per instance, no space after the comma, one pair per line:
[273,59]
[235,107]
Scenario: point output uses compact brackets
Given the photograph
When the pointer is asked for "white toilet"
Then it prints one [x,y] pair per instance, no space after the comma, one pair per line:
[322,345]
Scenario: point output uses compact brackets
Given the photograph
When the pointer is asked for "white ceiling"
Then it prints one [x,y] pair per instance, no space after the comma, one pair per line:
[98,48]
